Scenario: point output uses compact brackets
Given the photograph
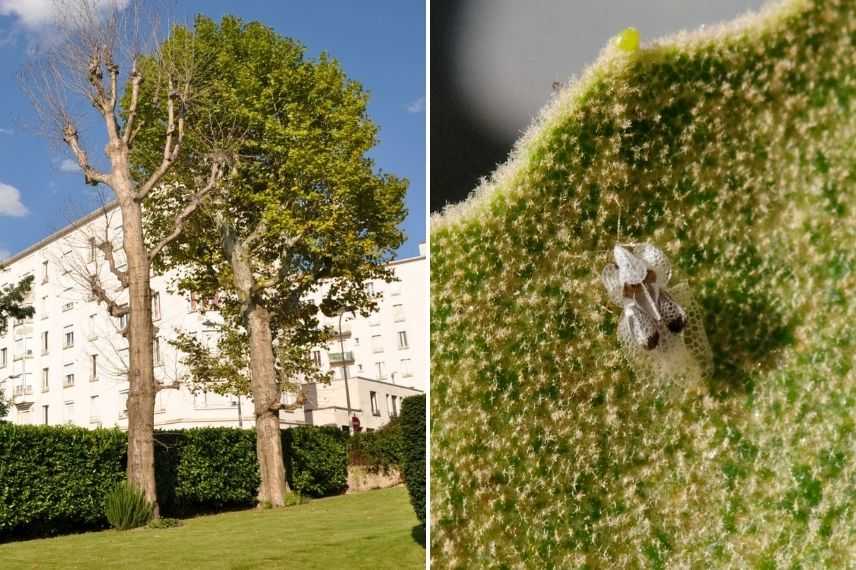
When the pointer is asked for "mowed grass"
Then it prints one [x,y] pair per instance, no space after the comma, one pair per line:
[373,529]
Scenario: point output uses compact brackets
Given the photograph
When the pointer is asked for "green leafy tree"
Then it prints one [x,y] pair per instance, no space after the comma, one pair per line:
[13,304]
[302,207]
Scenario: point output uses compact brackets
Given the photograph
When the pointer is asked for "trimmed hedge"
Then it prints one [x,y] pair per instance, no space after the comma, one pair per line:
[316,460]
[379,451]
[55,480]
[413,411]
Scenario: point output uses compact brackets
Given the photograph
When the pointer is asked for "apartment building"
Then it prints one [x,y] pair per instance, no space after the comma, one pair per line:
[68,363]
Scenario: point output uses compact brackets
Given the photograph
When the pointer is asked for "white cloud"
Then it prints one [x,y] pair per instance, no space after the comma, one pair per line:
[416,106]
[10,202]
[68,165]
[6,131]
[36,13]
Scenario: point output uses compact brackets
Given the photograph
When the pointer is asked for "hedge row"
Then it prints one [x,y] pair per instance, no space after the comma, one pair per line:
[55,479]
[379,451]
[413,412]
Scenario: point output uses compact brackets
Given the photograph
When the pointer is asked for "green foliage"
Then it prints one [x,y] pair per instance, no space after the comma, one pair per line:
[316,460]
[13,303]
[303,202]
[4,407]
[379,450]
[54,479]
[413,419]
[732,150]
[126,507]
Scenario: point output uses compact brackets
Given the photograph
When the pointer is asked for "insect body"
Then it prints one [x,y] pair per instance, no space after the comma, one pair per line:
[637,282]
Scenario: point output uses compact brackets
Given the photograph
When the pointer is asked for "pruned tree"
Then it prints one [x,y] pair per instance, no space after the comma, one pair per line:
[303,206]
[98,48]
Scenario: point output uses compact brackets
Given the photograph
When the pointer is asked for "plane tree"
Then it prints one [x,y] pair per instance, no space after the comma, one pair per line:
[302,218]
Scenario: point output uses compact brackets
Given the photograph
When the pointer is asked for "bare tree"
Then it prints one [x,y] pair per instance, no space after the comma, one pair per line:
[96,42]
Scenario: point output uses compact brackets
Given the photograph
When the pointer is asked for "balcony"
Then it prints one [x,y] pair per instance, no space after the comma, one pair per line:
[23,397]
[341,358]
[23,391]
[26,354]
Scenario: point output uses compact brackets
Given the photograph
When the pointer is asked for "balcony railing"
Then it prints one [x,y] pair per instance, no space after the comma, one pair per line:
[23,390]
[341,358]
[346,330]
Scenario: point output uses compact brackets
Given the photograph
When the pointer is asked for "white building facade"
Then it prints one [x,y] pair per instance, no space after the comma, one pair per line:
[67,364]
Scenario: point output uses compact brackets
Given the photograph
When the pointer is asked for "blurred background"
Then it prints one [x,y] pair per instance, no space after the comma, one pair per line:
[494,63]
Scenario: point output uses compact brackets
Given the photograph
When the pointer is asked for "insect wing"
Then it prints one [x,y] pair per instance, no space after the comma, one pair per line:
[673,314]
[631,269]
[637,329]
[612,282]
[655,259]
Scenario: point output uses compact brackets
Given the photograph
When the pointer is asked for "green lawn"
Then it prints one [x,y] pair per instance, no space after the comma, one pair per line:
[374,529]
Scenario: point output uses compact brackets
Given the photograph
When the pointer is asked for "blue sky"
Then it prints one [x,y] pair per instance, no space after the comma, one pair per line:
[380,43]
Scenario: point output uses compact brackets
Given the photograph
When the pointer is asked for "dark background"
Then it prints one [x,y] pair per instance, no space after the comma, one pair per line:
[482,99]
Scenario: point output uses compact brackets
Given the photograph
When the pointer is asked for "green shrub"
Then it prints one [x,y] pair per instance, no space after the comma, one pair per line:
[732,150]
[126,507]
[316,460]
[380,450]
[413,412]
[217,467]
[55,479]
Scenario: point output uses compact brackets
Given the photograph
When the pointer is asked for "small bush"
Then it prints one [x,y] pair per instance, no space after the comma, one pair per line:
[126,507]
[413,412]
[379,451]
[316,460]
[292,499]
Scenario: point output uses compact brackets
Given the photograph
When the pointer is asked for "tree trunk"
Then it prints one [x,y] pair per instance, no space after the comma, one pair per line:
[266,396]
[266,392]
[141,389]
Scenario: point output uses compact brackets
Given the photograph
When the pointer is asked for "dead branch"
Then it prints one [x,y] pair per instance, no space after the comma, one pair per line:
[213,178]
[72,139]
[172,144]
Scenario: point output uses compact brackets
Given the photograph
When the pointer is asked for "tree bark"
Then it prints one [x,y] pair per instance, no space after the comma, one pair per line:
[263,381]
[141,389]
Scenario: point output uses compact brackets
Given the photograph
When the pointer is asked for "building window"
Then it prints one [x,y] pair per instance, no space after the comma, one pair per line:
[45,414]
[373,398]
[118,238]
[67,306]
[93,368]
[68,342]
[123,398]
[393,412]
[156,351]
[69,380]
[64,262]
[405,367]
[46,379]
[402,340]
[94,415]
[45,343]
[370,289]
[44,311]
[377,343]
[45,271]
[374,319]
[69,412]
[316,356]
[4,355]
[380,369]
[395,288]
[398,313]
[356,341]
[93,333]
[156,307]
[123,320]
[93,249]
